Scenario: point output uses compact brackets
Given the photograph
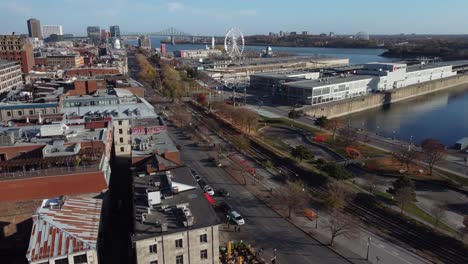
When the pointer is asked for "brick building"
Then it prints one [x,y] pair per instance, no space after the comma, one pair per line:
[71,157]
[17,48]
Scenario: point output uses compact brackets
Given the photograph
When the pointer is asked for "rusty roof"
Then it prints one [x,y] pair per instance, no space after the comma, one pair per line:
[65,229]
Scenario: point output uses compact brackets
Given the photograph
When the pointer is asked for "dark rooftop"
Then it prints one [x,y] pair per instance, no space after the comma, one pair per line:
[169,202]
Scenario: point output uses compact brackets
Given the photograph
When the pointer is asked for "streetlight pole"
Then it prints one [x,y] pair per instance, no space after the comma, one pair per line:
[368,247]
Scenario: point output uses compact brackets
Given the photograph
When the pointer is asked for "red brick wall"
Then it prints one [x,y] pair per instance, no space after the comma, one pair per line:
[53,186]
[40,61]
[83,87]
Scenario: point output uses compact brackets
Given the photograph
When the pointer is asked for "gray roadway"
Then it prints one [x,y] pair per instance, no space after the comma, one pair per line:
[263,228]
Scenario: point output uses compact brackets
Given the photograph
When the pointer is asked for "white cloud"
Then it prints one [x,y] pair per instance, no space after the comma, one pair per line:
[17,8]
[248,12]
[174,7]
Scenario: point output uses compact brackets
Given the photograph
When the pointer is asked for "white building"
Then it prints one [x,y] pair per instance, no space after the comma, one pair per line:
[398,75]
[48,30]
[326,90]
[65,230]
[373,77]
[10,75]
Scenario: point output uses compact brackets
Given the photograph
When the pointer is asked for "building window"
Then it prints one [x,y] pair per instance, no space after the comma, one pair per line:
[154,262]
[120,131]
[122,149]
[121,140]
[204,254]
[61,261]
[80,259]
[153,248]
[203,238]
[179,259]
[178,243]
[120,122]
[8,113]
[31,112]
[20,113]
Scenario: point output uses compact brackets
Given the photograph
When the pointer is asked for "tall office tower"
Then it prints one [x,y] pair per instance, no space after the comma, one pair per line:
[115,31]
[34,28]
[94,33]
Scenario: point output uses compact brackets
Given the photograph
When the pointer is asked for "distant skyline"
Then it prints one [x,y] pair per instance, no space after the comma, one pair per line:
[206,17]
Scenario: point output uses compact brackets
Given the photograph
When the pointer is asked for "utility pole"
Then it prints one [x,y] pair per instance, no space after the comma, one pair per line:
[368,247]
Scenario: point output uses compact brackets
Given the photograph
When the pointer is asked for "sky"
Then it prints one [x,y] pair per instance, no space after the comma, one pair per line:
[208,17]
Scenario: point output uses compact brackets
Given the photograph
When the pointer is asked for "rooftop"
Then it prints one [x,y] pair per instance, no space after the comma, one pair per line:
[169,202]
[308,84]
[63,226]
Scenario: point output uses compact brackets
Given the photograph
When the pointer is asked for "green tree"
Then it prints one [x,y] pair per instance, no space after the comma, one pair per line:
[401,183]
[337,171]
[302,153]
[241,142]
[321,121]
[293,114]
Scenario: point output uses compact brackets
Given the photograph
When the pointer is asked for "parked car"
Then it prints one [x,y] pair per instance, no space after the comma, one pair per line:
[202,183]
[208,190]
[225,208]
[222,192]
[236,217]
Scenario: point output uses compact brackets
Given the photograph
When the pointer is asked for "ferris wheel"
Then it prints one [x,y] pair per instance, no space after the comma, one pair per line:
[234,43]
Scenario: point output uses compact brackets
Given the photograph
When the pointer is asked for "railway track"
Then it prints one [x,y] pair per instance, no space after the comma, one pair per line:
[435,247]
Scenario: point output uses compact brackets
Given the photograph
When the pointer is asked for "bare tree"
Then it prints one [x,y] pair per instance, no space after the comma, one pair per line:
[337,195]
[293,196]
[342,224]
[464,229]
[333,125]
[348,135]
[434,152]
[438,211]
[404,197]
[406,156]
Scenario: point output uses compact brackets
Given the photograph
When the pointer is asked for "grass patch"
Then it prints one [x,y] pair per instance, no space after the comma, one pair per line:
[418,212]
[455,178]
[281,121]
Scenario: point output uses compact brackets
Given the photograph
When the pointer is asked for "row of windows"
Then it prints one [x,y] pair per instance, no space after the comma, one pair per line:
[31,112]
[11,48]
[180,258]
[9,77]
[13,68]
[79,259]
[179,243]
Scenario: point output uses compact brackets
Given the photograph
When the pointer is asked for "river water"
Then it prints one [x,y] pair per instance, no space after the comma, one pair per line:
[442,115]
[356,56]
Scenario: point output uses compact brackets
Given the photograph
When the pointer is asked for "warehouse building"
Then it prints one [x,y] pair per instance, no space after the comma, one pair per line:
[372,77]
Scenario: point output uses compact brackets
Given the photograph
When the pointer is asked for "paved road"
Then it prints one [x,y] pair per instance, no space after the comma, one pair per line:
[263,228]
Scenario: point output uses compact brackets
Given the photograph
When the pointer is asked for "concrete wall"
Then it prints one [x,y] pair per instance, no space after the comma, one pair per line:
[358,104]
[167,251]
